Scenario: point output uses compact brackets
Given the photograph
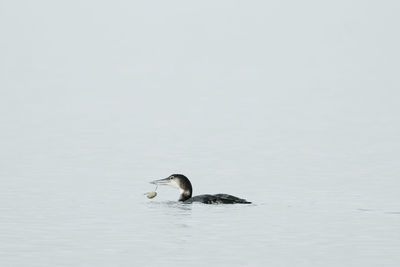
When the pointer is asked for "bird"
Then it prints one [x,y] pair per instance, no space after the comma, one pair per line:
[182,183]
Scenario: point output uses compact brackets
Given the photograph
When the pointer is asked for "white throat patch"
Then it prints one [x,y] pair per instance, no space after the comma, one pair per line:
[174,183]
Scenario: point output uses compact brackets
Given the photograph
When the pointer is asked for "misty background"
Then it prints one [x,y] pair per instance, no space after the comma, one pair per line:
[291,105]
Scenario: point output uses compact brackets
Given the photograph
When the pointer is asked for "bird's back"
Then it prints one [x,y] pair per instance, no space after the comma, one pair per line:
[217,199]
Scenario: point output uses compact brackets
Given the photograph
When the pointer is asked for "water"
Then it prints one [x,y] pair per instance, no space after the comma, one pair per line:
[307,130]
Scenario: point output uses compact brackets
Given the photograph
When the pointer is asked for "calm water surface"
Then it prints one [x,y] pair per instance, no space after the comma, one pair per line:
[72,190]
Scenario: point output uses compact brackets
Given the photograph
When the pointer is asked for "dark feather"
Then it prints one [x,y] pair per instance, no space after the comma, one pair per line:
[217,199]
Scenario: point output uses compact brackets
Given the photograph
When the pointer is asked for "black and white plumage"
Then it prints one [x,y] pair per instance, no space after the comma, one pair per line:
[185,188]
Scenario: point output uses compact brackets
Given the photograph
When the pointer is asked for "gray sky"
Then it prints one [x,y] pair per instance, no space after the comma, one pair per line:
[207,45]
[252,66]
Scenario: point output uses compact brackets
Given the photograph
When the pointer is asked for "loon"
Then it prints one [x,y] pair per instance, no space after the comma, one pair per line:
[181,182]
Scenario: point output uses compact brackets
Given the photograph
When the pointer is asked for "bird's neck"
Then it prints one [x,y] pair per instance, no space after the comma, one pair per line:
[185,194]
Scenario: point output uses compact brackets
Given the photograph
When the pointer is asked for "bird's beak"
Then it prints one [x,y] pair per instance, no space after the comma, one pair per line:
[165,181]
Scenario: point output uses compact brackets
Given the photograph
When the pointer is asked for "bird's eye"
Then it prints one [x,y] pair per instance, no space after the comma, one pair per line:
[171,177]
